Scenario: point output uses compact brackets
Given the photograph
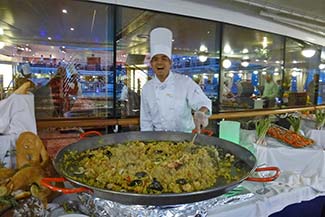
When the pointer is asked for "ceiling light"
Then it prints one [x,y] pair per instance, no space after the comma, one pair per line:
[203,53]
[49,38]
[244,63]
[264,42]
[203,48]
[227,49]
[308,52]
[226,63]
[203,58]
[245,50]
[71,29]
[321,66]
[64,11]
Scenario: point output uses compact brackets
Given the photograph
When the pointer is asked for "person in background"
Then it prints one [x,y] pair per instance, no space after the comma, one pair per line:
[58,88]
[125,89]
[74,85]
[270,91]
[168,99]
[124,96]
[227,95]
[313,88]
[280,91]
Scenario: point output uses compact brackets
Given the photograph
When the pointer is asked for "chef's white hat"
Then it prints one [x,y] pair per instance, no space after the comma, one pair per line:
[161,42]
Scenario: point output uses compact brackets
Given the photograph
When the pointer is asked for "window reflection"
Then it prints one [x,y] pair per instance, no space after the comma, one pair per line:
[195,51]
[251,72]
[70,64]
[301,76]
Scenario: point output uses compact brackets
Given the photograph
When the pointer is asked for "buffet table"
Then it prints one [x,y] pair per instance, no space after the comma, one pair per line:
[279,196]
[308,127]
[302,179]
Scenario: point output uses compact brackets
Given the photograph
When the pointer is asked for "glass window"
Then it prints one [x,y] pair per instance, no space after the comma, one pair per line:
[195,51]
[301,76]
[66,48]
[321,98]
[251,69]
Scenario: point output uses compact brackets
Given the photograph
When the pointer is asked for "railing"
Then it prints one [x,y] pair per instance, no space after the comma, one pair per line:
[101,122]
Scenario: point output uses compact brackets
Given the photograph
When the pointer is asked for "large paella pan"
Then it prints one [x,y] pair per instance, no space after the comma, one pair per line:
[243,165]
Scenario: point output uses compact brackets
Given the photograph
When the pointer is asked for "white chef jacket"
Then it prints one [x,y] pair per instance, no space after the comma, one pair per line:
[168,105]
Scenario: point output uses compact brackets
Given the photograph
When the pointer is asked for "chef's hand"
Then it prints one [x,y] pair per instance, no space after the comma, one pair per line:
[201,120]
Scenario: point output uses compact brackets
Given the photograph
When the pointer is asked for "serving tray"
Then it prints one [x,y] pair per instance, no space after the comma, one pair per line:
[289,137]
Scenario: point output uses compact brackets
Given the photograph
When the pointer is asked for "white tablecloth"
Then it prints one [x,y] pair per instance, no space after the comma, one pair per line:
[308,127]
[280,195]
[302,178]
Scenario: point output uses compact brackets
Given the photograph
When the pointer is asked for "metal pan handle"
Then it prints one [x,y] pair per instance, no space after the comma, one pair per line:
[46,182]
[204,131]
[85,134]
[265,179]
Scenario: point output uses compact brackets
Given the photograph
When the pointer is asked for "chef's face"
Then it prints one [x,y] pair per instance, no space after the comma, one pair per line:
[160,64]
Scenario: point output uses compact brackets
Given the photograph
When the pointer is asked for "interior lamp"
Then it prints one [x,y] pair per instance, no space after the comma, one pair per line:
[308,52]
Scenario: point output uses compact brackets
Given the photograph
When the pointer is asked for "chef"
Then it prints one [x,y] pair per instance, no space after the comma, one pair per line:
[167,100]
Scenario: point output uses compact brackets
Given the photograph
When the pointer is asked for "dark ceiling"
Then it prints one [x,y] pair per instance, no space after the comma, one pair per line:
[31,22]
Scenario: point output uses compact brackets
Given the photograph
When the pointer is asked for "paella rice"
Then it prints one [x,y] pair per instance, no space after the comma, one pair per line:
[150,167]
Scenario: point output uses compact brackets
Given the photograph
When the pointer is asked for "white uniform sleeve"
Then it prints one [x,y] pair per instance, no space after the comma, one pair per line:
[197,98]
[145,116]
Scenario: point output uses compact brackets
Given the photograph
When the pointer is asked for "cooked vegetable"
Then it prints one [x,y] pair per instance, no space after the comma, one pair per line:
[320,118]
[295,123]
[152,167]
[262,125]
